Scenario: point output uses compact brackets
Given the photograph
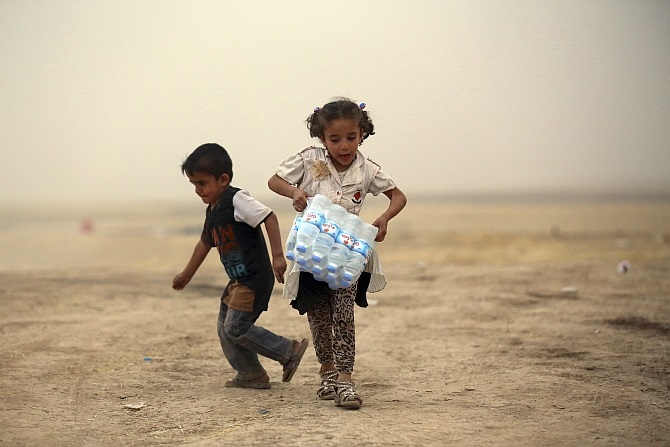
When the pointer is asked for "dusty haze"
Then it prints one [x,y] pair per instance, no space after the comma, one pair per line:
[102,101]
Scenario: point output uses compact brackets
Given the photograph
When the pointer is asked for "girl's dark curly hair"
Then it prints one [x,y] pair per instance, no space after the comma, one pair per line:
[341,108]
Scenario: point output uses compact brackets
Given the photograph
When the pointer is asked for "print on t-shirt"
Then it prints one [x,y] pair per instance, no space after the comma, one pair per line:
[231,256]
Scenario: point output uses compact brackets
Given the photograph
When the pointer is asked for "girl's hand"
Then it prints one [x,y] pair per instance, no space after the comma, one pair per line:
[299,200]
[382,223]
[398,202]
[279,267]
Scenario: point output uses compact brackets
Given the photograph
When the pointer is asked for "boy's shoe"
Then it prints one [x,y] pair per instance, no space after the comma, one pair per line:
[292,365]
[255,384]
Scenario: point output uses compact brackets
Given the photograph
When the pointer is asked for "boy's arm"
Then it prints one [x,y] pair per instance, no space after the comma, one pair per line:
[283,188]
[276,247]
[397,203]
[199,254]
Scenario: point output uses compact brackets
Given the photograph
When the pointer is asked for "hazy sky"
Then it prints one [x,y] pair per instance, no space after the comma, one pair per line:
[103,100]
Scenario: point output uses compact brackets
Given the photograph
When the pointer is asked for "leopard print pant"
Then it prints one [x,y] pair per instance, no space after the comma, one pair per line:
[333,332]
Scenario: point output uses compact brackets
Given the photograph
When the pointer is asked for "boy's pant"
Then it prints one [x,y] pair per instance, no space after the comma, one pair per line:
[242,341]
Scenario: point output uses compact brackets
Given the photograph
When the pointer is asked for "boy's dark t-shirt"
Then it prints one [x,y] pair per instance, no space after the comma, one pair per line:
[242,249]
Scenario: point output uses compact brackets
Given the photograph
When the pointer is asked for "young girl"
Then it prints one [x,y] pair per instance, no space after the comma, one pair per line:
[341,173]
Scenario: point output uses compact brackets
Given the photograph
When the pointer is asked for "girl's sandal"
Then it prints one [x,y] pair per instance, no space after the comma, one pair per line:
[328,382]
[346,396]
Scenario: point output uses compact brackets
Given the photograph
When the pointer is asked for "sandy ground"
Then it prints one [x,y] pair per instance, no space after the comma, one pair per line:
[502,324]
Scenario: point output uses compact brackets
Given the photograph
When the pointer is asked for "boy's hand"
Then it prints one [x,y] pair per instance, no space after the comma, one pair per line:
[180,281]
[299,200]
[382,224]
[279,267]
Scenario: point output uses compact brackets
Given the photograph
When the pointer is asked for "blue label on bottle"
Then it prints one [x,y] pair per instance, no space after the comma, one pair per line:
[313,217]
[362,247]
[330,228]
[345,239]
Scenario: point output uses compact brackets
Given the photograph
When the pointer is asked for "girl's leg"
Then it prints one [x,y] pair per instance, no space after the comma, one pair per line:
[320,325]
[344,347]
[344,331]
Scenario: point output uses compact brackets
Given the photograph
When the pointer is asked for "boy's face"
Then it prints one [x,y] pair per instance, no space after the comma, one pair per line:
[208,187]
[341,138]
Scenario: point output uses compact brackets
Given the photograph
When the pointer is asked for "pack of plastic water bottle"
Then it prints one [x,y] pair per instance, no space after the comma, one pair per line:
[330,243]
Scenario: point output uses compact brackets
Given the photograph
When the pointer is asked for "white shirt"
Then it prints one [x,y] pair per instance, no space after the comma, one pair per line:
[248,209]
[312,171]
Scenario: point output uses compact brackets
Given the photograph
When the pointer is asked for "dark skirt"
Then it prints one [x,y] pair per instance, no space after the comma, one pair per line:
[311,292]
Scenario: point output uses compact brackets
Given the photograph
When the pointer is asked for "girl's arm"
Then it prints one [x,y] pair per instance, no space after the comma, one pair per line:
[199,254]
[397,203]
[276,247]
[283,188]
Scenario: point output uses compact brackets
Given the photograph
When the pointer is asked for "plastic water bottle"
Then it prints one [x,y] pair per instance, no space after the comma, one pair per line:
[293,237]
[353,267]
[321,247]
[319,269]
[316,210]
[365,240]
[334,280]
[333,218]
[304,259]
[340,283]
[305,236]
[349,229]
[333,284]
[337,257]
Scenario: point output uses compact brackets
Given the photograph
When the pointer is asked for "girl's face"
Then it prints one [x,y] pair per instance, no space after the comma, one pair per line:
[341,138]
[208,187]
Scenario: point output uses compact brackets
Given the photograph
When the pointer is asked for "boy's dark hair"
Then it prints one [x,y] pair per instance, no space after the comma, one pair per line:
[209,158]
[341,108]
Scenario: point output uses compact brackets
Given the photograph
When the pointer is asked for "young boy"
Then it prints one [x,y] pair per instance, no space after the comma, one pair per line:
[232,225]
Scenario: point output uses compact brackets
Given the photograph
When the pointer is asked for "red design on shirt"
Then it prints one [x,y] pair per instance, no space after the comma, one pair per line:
[357,198]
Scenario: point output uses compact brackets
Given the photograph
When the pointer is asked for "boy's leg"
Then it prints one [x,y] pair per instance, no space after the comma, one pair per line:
[244,361]
[240,329]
